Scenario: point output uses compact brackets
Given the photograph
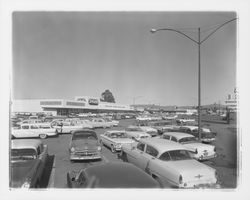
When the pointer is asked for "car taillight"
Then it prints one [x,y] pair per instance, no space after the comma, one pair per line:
[180,179]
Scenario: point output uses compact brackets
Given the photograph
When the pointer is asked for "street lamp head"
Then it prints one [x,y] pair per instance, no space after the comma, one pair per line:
[153,30]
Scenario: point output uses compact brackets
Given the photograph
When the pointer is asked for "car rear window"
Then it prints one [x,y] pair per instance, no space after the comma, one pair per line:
[23,154]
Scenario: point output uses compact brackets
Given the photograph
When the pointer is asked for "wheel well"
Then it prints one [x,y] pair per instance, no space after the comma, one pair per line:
[154,176]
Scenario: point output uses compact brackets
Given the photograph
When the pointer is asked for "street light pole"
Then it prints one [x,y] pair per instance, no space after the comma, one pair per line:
[199,83]
[199,42]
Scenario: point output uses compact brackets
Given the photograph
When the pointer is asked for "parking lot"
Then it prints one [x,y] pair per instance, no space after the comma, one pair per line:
[59,164]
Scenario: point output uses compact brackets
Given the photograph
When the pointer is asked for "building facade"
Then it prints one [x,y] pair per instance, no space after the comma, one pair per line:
[81,104]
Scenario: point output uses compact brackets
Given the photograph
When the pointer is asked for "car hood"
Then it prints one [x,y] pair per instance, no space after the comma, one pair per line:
[192,170]
[21,171]
[83,144]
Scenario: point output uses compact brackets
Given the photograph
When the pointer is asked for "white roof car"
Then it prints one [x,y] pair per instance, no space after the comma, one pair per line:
[170,164]
[197,149]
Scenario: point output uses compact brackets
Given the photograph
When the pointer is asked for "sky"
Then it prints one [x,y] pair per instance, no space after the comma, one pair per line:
[60,55]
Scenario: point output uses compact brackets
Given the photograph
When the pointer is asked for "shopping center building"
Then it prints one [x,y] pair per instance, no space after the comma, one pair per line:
[80,104]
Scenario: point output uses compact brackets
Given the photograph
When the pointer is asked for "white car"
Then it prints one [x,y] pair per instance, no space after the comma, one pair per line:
[66,127]
[34,130]
[112,122]
[115,139]
[152,131]
[136,133]
[170,164]
[198,150]
[100,123]
[207,135]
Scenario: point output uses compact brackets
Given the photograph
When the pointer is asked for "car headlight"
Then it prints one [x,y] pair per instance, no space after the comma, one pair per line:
[117,145]
[72,149]
[26,184]
[99,148]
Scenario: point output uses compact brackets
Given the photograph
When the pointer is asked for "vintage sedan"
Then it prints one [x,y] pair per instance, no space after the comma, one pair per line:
[28,160]
[42,130]
[115,139]
[84,145]
[100,123]
[111,175]
[170,164]
[136,133]
[67,127]
[198,150]
[207,136]
[163,126]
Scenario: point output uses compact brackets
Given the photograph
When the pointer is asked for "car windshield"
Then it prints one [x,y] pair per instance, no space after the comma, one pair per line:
[84,135]
[188,140]
[118,135]
[23,154]
[175,155]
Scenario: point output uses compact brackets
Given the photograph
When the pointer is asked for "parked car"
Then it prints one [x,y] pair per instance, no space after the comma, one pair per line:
[66,127]
[84,145]
[42,130]
[152,131]
[163,126]
[112,122]
[197,150]
[111,175]
[100,123]
[206,135]
[170,164]
[115,139]
[135,133]
[28,160]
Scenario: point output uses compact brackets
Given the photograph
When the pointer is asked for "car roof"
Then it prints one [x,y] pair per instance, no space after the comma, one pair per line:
[116,131]
[25,143]
[191,127]
[162,145]
[178,135]
[120,175]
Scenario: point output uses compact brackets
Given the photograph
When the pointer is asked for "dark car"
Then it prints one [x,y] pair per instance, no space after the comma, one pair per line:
[84,145]
[111,175]
[28,160]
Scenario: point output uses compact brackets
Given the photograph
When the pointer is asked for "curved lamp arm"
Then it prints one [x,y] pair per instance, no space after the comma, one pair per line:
[170,29]
[216,30]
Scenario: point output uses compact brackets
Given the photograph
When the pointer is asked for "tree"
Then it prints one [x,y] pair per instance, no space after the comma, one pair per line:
[107,96]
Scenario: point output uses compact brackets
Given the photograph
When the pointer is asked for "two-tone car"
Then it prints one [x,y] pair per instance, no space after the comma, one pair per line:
[27,164]
[135,133]
[42,130]
[197,150]
[170,164]
[111,175]
[84,145]
[115,139]
[207,136]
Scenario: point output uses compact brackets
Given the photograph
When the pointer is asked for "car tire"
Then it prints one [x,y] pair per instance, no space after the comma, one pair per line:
[112,148]
[42,136]
[123,156]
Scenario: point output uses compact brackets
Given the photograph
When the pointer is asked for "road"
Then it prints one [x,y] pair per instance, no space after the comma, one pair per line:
[55,175]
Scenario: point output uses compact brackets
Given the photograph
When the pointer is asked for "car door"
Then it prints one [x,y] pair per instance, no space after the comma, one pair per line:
[105,139]
[135,153]
[22,132]
[35,131]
